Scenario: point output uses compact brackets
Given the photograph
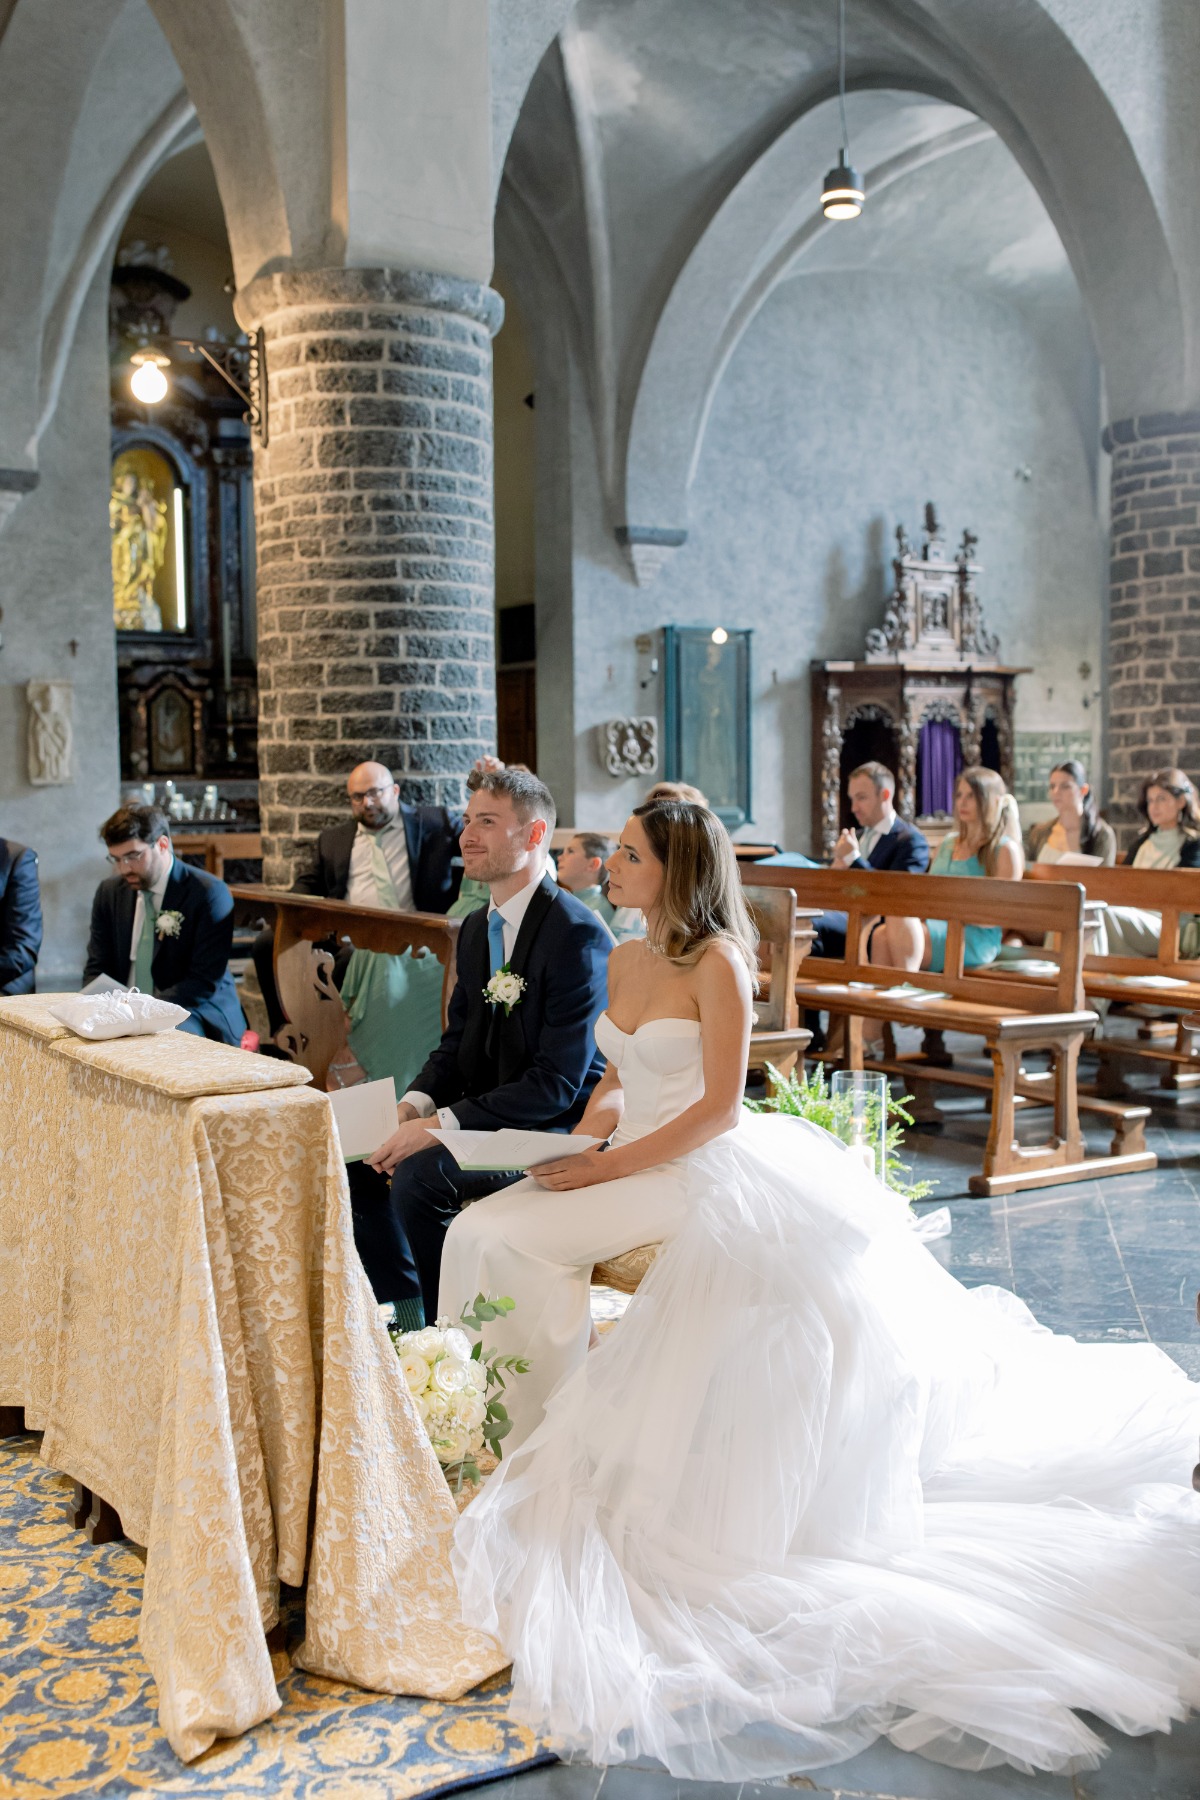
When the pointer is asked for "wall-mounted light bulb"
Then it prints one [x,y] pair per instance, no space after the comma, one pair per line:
[720,635]
[148,382]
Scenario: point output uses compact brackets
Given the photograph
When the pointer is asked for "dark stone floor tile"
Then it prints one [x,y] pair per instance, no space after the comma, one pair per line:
[1163,1766]
[560,1781]
[885,1771]
[629,1783]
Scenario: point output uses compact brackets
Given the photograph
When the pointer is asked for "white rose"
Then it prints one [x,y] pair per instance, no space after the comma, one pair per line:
[453,1445]
[458,1344]
[421,1402]
[427,1342]
[472,1410]
[415,1371]
[448,1376]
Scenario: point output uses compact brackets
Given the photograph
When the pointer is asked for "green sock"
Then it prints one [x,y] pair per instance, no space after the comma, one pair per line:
[410,1315]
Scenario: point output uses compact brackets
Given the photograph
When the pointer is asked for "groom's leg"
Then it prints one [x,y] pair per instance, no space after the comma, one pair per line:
[382,1246]
[427,1191]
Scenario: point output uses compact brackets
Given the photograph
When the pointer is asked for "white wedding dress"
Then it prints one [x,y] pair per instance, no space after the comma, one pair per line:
[811,1491]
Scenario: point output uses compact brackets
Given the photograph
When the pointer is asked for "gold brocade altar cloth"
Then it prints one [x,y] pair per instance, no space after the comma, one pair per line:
[183,1313]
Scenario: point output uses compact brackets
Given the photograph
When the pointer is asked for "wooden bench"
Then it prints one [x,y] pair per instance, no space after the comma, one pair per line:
[1166,982]
[1027,1012]
[315,1031]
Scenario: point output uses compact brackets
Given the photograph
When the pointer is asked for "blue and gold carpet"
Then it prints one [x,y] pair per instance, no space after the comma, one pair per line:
[78,1708]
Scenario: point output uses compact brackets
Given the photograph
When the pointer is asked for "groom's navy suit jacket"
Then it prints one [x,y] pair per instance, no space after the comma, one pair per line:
[192,969]
[20,917]
[534,1068]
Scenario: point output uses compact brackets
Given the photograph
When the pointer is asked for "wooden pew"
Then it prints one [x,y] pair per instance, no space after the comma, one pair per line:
[1167,982]
[315,1029]
[1028,1011]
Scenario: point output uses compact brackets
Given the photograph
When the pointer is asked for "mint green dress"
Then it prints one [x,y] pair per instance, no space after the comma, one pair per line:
[603,908]
[395,1002]
[981,943]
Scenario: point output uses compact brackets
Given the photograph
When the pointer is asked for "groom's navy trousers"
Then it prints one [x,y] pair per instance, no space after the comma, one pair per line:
[532,1068]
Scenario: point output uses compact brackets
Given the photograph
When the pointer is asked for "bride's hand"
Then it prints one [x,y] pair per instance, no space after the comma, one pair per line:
[570,1172]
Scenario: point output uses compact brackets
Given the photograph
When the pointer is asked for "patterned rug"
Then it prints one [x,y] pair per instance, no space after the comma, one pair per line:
[78,1709]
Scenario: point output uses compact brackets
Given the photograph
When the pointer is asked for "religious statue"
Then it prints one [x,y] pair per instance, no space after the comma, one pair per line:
[138,520]
[49,735]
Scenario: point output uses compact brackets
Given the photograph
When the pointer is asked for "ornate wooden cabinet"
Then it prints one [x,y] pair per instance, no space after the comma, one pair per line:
[930,697]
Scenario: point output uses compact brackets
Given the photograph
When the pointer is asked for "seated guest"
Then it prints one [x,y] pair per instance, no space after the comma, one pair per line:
[530,1064]
[675,790]
[386,854]
[883,841]
[163,927]
[20,917]
[1077,828]
[986,841]
[581,871]
[1171,840]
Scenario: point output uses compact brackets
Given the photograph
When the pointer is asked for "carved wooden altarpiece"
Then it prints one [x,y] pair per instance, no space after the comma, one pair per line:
[933,661]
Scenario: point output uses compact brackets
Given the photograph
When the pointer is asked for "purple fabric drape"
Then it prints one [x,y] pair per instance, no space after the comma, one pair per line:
[939,760]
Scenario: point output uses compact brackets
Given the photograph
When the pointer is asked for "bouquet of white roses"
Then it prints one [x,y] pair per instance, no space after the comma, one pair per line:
[450,1380]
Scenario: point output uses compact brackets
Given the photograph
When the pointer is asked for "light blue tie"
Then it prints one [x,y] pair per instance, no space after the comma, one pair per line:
[496,941]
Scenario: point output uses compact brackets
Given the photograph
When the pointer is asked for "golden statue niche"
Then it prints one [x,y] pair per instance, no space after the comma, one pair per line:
[142,526]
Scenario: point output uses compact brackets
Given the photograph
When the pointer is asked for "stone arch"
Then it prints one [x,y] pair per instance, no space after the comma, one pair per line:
[1089,165]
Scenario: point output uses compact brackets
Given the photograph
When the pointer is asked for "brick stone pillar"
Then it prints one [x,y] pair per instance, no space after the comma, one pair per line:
[1154,607]
[373,513]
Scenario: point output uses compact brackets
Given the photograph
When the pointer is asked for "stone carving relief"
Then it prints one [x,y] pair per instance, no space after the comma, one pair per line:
[50,732]
[831,768]
[934,609]
[629,747]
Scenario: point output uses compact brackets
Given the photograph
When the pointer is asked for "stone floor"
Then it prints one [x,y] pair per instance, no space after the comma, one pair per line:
[1115,1260]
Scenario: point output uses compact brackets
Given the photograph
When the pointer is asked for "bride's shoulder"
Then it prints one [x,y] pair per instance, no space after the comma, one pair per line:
[623,956]
[722,969]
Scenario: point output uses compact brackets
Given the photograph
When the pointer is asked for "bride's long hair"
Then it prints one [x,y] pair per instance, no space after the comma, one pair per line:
[702,895]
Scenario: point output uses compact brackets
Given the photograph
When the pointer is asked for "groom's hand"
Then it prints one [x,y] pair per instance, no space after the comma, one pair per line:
[409,1137]
[571,1172]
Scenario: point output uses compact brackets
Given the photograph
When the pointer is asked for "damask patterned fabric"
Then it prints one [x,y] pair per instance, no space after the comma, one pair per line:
[77,1704]
[217,1368]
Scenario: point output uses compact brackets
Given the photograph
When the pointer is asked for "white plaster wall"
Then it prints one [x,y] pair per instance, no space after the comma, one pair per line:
[853,399]
[56,584]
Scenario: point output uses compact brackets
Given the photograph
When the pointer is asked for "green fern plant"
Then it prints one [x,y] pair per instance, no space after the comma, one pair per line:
[810,1097]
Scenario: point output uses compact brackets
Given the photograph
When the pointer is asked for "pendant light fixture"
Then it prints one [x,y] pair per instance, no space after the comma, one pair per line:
[843,195]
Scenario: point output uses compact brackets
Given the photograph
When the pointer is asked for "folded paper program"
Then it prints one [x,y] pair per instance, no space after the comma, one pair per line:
[118,1014]
[511,1149]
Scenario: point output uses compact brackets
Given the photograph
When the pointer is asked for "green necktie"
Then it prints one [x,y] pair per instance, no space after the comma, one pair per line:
[142,973]
[385,887]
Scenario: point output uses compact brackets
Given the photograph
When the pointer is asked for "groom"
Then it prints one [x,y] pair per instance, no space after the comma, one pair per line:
[532,1067]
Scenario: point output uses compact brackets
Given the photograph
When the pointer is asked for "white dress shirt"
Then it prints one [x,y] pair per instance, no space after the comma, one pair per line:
[513,913]
[139,916]
[871,836]
[362,889]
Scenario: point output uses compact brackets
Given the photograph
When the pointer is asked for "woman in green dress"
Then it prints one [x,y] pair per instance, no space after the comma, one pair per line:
[986,841]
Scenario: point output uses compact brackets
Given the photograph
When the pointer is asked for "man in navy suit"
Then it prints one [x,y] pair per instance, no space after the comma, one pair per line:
[164,927]
[420,848]
[20,917]
[883,841]
[532,1067]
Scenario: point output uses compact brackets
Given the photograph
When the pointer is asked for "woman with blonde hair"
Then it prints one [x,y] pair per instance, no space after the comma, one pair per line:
[986,841]
[810,1491]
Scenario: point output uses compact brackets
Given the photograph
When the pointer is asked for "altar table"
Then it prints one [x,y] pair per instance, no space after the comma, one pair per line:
[183,1313]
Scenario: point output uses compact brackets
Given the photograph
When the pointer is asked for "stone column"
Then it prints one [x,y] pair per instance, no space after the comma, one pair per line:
[373,509]
[1154,607]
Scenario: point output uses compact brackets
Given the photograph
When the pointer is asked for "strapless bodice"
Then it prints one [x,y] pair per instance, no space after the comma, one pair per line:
[661,1070]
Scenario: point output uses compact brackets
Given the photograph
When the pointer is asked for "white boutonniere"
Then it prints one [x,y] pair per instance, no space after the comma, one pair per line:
[504,989]
[168,924]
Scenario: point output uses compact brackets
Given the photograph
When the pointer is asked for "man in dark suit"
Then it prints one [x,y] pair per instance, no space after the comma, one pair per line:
[533,1066]
[419,846]
[20,917]
[883,841]
[164,927]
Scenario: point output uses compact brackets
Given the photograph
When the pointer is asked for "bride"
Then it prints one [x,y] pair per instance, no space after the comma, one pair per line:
[811,1491]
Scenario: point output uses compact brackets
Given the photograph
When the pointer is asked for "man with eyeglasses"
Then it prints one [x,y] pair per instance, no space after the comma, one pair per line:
[163,927]
[388,853]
